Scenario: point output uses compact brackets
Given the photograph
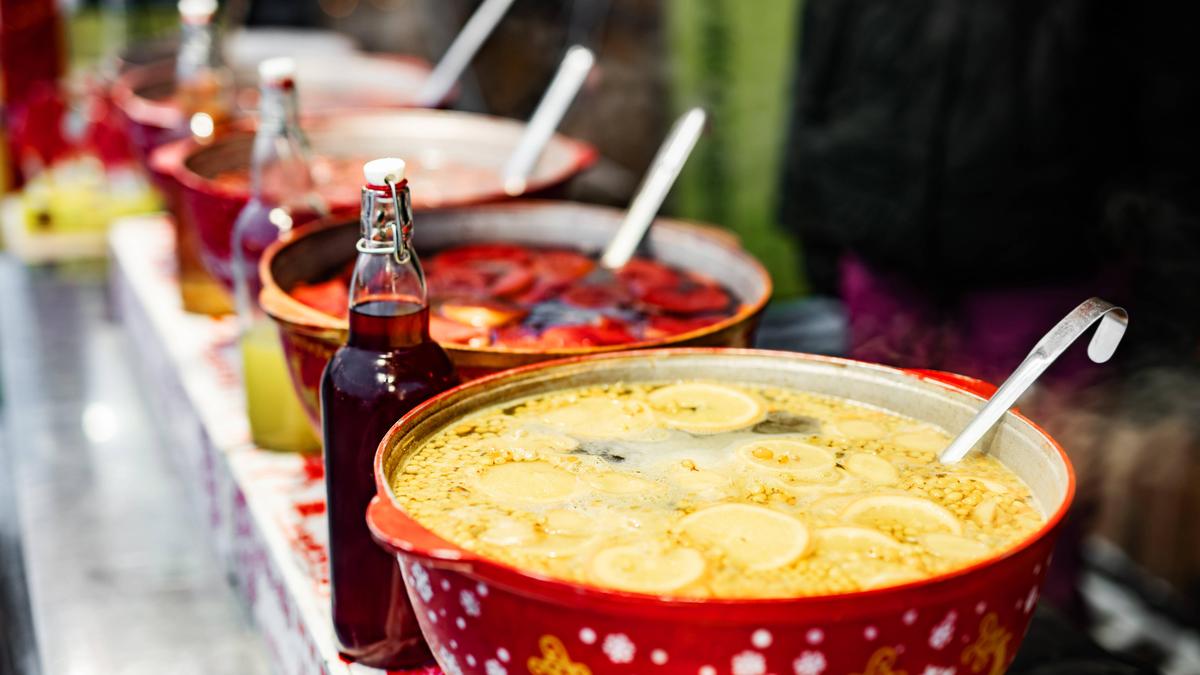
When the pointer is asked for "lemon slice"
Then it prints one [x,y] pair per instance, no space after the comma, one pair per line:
[508,532]
[528,482]
[523,444]
[889,575]
[555,546]
[614,482]
[924,440]
[860,429]
[873,469]
[563,521]
[901,514]
[700,408]
[642,569]
[791,456]
[953,547]
[601,418]
[850,539]
[753,537]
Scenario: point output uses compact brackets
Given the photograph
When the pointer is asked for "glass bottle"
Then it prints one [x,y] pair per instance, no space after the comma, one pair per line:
[388,365]
[281,196]
[204,94]
[203,84]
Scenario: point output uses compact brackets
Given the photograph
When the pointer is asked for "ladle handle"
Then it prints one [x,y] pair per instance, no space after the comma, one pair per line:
[1113,321]
[461,51]
[554,105]
[665,168]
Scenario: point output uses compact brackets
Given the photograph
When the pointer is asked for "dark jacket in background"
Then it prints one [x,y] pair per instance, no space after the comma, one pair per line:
[965,143]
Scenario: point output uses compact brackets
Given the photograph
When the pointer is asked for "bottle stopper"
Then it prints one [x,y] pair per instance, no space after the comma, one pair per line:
[276,71]
[197,9]
[379,171]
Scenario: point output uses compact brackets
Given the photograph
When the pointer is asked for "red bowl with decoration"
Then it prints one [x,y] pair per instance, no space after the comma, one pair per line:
[483,616]
[316,252]
[454,159]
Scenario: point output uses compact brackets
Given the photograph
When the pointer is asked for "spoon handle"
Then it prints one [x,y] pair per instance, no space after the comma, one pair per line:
[1113,321]
[554,105]
[665,168]
[461,51]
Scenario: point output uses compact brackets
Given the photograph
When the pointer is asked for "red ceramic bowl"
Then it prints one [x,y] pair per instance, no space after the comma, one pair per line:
[145,94]
[479,144]
[316,252]
[481,616]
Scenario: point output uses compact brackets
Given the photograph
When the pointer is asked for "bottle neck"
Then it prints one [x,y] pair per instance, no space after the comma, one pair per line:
[388,305]
[280,166]
[197,48]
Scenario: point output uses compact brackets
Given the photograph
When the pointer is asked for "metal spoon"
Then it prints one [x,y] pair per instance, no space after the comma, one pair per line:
[665,168]
[1113,321]
[461,51]
[554,105]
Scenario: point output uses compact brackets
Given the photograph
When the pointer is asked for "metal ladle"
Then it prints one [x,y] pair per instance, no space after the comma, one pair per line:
[550,110]
[1113,321]
[461,51]
[659,180]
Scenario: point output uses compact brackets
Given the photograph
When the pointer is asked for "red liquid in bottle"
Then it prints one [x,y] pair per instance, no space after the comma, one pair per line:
[388,366]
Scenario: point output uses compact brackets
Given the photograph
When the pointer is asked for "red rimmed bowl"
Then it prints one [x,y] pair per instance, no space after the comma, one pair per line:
[145,94]
[319,251]
[455,159]
[482,616]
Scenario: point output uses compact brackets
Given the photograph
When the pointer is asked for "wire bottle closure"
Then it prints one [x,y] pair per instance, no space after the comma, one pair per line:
[381,234]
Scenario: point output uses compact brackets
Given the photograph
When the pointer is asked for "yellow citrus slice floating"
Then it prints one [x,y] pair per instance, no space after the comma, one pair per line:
[859,429]
[925,440]
[805,460]
[601,418]
[901,514]
[528,482]
[644,569]
[953,547]
[850,539]
[889,575]
[701,408]
[753,537]
[872,468]
[523,444]
[554,545]
[564,521]
[508,532]
[617,483]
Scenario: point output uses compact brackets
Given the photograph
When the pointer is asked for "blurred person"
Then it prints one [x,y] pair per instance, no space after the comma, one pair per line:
[963,174]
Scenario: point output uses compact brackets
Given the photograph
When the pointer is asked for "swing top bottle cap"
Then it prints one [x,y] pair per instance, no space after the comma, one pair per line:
[197,9]
[277,70]
[379,171]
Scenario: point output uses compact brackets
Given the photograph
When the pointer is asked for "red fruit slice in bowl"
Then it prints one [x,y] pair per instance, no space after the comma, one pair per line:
[481,314]
[557,265]
[594,297]
[460,255]
[641,275]
[331,297]
[666,326]
[687,298]
[455,280]
[444,330]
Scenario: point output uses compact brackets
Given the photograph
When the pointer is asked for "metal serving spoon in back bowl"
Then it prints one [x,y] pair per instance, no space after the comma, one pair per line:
[1113,321]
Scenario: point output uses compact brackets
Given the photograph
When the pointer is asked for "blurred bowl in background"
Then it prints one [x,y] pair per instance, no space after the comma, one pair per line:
[454,159]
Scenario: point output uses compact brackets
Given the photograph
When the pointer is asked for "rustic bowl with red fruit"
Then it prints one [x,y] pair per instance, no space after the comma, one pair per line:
[510,285]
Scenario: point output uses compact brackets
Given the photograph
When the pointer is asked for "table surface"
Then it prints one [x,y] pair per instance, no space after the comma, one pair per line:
[109,567]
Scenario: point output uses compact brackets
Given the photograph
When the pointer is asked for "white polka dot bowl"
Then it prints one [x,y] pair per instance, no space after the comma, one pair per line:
[484,616]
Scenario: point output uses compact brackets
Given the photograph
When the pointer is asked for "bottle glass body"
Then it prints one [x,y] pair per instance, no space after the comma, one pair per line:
[204,95]
[388,366]
[281,196]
